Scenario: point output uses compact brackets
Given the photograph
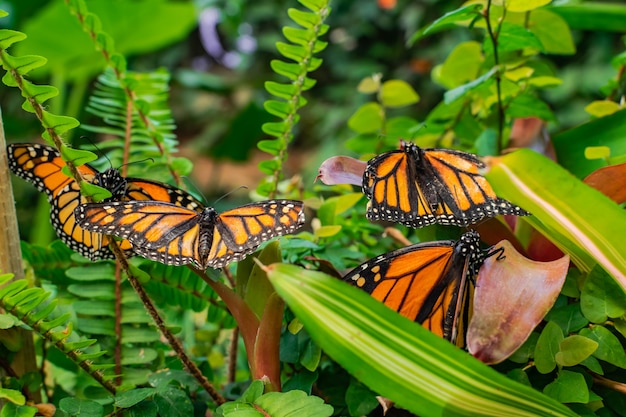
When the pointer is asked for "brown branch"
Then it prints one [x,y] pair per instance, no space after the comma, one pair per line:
[173,341]
[232,355]
[608,383]
[118,324]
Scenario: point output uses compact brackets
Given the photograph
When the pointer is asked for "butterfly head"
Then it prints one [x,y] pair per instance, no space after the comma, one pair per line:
[411,148]
[112,180]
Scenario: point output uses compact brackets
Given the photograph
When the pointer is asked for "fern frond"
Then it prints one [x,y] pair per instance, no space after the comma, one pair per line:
[31,306]
[304,45]
[143,112]
[36,95]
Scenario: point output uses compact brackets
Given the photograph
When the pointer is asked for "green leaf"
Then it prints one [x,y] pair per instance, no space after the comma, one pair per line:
[97,193]
[524,5]
[462,65]
[575,349]
[551,193]
[56,34]
[547,347]
[367,119]
[7,321]
[526,105]
[289,70]
[513,37]
[458,92]
[601,297]
[24,64]
[397,93]
[278,108]
[293,403]
[398,358]
[601,108]
[605,131]
[74,407]
[369,85]
[609,347]
[304,19]
[60,124]
[294,52]
[360,399]
[311,356]
[77,156]
[593,16]
[273,147]
[12,395]
[276,129]
[13,410]
[9,37]
[129,398]
[463,14]
[569,387]
[552,31]
[327,231]
[173,402]
[286,91]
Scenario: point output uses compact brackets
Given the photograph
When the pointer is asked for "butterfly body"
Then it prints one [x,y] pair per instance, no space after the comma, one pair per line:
[43,166]
[429,283]
[175,235]
[418,187]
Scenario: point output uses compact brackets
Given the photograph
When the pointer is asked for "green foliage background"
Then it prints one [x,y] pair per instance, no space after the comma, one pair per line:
[347,80]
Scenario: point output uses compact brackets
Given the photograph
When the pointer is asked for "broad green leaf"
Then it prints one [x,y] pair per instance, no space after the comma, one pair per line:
[545,81]
[523,5]
[311,356]
[173,402]
[370,84]
[601,108]
[564,209]
[462,65]
[12,395]
[463,14]
[397,93]
[569,318]
[56,33]
[609,347]
[552,31]
[526,105]
[293,403]
[14,410]
[367,119]
[601,297]
[181,165]
[605,131]
[129,398]
[575,349]
[513,37]
[398,358]
[74,406]
[569,387]
[593,16]
[547,347]
[7,321]
[327,231]
[360,399]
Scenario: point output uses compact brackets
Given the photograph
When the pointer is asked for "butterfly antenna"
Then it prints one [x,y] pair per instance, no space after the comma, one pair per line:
[88,139]
[137,162]
[229,193]
[196,191]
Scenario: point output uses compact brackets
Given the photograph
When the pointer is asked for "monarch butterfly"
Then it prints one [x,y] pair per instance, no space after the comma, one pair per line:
[426,282]
[418,187]
[176,235]
[42,165]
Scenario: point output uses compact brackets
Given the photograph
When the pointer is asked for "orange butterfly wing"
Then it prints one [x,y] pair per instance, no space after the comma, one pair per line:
[418,187]
[42,165]
[176,235]
[426,282]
